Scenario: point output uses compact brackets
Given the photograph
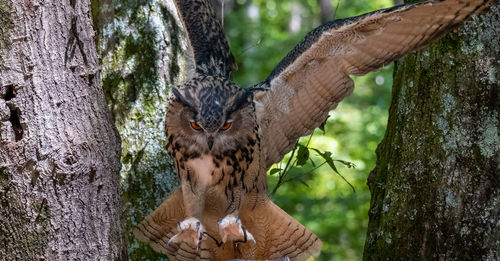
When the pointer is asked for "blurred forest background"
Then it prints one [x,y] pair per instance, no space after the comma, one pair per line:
[260,33]
[141,45]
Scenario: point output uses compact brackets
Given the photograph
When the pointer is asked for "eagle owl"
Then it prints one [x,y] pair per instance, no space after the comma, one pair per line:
[223,138]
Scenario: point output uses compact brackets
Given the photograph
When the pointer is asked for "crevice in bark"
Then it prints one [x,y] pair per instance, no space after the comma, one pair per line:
[9,93]
[74,41]
[14,119]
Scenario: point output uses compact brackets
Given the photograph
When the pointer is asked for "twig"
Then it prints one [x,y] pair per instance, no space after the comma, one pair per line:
[283,172]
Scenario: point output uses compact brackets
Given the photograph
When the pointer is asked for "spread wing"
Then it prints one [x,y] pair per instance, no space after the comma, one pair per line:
[208,47]
[315,76]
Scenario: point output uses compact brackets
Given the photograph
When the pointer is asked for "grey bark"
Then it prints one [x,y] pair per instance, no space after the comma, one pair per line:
[59,149]
[436,186]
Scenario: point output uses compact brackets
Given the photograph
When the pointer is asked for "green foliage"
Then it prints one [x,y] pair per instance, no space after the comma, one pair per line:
[323,202]
[297,168]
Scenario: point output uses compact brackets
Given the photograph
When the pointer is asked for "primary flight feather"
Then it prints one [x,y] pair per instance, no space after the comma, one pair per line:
[224,138]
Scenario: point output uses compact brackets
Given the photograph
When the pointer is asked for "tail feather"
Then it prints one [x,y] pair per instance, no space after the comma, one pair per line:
[283,235]
[278,235]
[184,253]
[161,225]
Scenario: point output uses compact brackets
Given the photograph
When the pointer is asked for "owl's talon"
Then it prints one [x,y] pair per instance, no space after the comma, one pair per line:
[190,231]
[248,236]
[230,228]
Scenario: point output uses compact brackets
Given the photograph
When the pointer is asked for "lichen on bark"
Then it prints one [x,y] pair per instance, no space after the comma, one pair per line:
[435,189]
[5,26]
[141,45]
[20,236]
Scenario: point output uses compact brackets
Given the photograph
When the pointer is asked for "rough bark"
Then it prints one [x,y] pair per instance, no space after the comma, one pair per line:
[435,188]
[59,149]
[141,43]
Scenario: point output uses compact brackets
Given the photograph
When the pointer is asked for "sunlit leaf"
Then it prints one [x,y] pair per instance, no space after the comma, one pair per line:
[302,155]
[312,162]
[348,164]
[327,156]
[274,171]
[322,126]
[301,181]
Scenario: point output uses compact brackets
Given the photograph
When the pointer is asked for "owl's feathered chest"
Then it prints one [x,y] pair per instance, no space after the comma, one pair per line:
[221,173]
[225,166]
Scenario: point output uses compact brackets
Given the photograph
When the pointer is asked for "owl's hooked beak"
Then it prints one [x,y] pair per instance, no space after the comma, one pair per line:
[210,142]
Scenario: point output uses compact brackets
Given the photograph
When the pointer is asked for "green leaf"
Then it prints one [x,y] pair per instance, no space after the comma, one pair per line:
[302,155]
[312,162]
[301,181]
[327,156]
[322,126]
[347,163]
[274,171]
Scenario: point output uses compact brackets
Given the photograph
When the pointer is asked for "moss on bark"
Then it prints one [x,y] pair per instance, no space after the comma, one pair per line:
[6,25]
[141,49]
[20,237]
[435,189]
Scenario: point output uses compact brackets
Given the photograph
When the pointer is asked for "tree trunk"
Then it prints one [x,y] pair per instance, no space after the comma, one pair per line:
[435,188]
[59,149]
[141,44]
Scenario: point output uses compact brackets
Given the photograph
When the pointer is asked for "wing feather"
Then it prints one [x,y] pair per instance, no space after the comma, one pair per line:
[315,76]
[208,49]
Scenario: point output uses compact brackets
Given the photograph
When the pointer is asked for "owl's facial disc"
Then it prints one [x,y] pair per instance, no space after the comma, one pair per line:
[213,112]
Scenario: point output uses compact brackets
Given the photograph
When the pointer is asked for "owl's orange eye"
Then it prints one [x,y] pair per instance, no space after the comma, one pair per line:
[226,126]
[195,126]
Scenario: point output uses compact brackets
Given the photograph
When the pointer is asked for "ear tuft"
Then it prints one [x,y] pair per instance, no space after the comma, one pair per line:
[240,100]
[178,95]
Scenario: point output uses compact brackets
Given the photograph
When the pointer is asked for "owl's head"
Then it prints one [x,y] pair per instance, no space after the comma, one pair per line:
[211,115]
